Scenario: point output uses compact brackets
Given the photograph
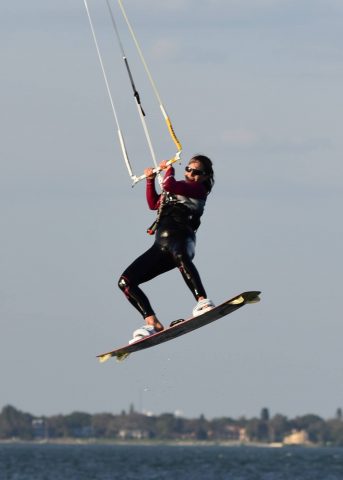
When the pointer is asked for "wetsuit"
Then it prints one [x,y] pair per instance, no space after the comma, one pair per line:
[180,207]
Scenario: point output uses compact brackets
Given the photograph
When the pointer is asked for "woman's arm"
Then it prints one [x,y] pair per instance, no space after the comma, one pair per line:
[152,197]
[181,187]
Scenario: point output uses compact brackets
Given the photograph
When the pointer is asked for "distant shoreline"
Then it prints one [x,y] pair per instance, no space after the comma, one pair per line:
[152,443]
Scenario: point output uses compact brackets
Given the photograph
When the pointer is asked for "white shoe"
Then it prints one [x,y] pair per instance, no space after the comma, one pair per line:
[142,332]
[202,306]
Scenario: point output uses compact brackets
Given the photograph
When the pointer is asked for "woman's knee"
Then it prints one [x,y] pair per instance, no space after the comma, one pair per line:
[123,283]
[183,258]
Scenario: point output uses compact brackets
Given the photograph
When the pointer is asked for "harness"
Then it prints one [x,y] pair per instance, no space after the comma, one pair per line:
[171,207]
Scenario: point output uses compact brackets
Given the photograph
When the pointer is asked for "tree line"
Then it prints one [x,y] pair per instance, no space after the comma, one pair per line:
[132,425]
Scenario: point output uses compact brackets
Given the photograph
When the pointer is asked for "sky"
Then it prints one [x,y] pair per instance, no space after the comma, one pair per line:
[257,86]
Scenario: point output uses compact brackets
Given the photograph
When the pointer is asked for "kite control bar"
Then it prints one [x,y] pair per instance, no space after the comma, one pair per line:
[157,169]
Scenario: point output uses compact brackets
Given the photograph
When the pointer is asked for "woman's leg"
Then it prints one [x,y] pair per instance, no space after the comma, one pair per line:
[149,265]
[183,252]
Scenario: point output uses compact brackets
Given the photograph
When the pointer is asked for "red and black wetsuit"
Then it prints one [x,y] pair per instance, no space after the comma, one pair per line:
[180,207]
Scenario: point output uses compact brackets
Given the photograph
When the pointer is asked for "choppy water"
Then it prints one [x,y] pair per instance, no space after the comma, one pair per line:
[113,462]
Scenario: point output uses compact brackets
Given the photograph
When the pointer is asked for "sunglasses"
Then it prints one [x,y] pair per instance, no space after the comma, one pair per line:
[194,171]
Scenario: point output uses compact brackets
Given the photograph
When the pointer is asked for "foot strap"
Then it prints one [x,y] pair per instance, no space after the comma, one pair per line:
[140,333]
[203,306]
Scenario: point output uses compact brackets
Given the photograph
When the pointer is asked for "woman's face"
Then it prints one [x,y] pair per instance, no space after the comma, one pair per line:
[194,172]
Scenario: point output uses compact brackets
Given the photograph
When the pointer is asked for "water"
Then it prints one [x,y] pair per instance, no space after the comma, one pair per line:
[113,462]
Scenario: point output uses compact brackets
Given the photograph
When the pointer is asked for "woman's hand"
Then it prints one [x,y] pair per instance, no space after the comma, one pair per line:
[149,173]
[163,165]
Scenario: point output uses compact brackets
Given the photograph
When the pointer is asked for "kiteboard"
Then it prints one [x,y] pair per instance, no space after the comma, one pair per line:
[181,327]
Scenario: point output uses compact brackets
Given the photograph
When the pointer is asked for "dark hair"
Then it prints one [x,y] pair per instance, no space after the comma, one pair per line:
[208,168]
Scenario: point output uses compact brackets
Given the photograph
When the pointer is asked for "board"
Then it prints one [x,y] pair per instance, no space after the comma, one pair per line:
[183,326]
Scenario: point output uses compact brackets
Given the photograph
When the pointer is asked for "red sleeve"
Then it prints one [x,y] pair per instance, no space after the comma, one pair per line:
[181,187]
[152,197]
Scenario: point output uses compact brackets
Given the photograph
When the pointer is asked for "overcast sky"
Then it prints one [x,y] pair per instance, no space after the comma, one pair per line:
[254,84]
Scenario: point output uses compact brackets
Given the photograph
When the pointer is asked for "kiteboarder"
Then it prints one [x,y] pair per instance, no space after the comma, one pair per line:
[179,206]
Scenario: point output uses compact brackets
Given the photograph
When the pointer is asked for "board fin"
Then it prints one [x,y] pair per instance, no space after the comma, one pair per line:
[104,358]
[254,300]
[122,356]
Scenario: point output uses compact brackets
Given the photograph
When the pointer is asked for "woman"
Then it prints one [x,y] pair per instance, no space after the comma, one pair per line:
[180,207]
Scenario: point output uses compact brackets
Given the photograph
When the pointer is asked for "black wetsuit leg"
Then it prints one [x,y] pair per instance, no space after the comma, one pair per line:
[183,259]
[172,248]
[181,246]
[149,265]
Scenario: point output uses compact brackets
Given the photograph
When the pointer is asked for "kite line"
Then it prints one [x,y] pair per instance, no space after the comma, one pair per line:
[140,110]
